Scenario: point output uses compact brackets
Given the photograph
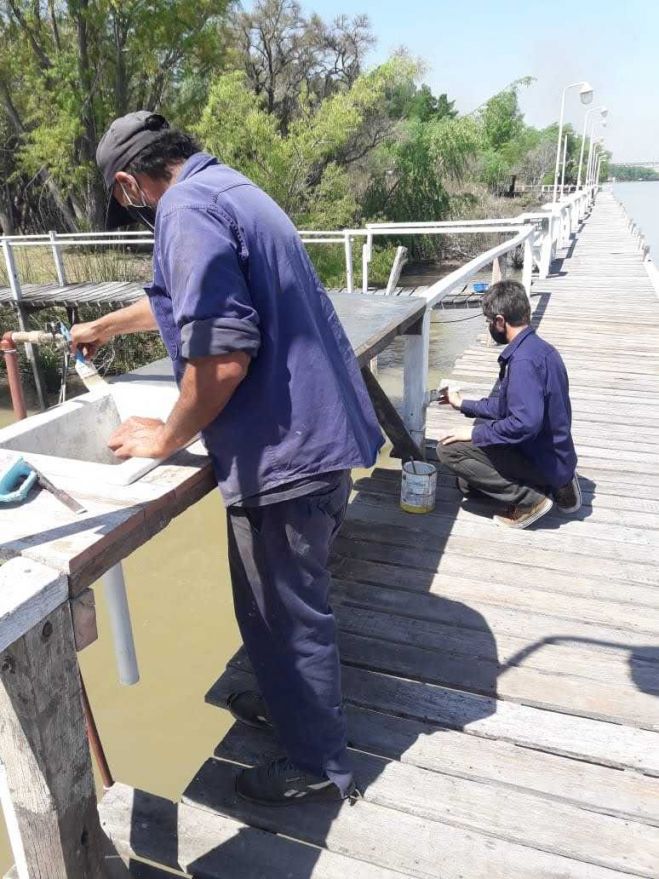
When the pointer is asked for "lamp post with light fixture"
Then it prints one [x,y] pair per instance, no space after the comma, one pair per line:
[603,114]
[586,95]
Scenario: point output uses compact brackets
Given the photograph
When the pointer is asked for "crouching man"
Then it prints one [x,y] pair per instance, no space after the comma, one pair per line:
[520,449]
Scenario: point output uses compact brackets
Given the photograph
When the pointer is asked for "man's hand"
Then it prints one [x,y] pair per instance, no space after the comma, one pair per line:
[461,435]
[89,337]
[141,438]
[453,398]
[135,318]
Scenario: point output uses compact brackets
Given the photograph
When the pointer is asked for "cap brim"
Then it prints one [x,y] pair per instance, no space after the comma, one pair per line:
[117,216]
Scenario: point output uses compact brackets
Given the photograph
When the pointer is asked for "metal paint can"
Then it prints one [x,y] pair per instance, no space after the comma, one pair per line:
[418,487]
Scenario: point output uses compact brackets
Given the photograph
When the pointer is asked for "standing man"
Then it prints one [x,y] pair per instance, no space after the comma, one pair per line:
[520,450]
[267,375]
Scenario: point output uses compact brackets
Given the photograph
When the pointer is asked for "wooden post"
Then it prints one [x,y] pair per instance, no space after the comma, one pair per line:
[399,261]
[57,257]
[498,269]
[527,271]
[15,287]
[415,379]
[46,779]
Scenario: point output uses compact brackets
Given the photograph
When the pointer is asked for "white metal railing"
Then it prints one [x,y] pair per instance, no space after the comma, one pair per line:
[539,233]
[553,226]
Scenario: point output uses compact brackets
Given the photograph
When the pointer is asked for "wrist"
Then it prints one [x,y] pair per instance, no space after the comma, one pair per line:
[104,328]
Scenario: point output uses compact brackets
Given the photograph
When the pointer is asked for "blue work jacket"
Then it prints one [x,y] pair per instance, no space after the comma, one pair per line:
[231,274]
[529,408]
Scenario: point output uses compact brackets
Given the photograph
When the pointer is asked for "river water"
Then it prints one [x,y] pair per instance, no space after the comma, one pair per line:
[642,203]
[160,731]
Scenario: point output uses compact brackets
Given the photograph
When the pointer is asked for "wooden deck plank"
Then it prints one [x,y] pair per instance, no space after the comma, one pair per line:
[452,752]
[389,838]
[474,804]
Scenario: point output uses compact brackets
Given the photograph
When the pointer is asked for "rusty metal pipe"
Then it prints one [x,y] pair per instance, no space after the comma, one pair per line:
[8,348]
[95,740]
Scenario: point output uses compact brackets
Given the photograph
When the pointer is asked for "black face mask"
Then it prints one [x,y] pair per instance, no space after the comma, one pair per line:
[146,216]
[499,336]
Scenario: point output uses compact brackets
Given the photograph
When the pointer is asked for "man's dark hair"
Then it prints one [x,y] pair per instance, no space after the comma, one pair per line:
[509,299]
[171,147]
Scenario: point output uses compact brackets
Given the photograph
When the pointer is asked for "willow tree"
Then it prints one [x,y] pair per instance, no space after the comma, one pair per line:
[306,168]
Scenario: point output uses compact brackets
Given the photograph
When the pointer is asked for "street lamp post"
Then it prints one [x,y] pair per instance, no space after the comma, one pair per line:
[564,164]
[603,113]
[591,154]
[586,95]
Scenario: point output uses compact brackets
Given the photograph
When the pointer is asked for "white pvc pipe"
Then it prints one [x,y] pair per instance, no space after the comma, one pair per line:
[122,630]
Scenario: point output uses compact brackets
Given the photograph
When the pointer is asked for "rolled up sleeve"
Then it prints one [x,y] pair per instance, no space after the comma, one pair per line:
[526,408]
[204,263]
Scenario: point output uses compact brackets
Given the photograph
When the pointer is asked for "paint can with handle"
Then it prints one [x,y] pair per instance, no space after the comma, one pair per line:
[418,487]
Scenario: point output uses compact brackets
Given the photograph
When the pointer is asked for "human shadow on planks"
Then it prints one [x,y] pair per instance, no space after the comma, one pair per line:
[399,686]
[643,659]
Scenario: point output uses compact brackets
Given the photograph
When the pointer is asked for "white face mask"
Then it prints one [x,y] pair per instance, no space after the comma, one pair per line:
[145,212]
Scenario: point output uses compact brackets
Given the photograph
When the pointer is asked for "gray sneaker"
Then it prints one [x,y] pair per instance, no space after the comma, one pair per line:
[280,783]
[249,707]
[568,498]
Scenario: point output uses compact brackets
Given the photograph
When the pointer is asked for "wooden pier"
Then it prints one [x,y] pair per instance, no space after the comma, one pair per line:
[502,687]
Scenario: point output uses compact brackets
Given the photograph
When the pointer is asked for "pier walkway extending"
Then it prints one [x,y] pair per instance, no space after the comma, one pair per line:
[502,687]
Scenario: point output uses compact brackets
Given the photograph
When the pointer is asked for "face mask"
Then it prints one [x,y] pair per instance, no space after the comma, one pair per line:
[141,213]
[499,336]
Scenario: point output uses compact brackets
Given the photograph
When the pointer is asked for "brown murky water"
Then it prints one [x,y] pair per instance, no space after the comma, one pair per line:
[160,731]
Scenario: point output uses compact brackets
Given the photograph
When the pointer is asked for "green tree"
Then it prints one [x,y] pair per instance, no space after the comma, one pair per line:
[69,67]
[305,169]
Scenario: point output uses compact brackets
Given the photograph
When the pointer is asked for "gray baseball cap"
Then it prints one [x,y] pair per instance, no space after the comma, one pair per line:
[121,143]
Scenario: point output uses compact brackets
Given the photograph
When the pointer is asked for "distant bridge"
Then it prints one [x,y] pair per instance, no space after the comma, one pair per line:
[651,164]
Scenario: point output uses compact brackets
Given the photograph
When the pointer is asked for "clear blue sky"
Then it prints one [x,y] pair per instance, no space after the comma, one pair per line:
[472,49]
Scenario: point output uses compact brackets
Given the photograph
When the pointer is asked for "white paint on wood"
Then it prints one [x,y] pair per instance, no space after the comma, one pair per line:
[29,591]
[415,381]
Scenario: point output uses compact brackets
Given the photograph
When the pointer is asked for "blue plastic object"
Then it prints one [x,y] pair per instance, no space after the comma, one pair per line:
[480,287]
[16,479]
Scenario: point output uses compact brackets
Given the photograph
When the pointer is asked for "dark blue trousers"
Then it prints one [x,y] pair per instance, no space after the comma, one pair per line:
[278,557]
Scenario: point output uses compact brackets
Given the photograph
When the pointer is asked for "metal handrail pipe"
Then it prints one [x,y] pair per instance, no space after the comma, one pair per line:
[8,348]
[444,286]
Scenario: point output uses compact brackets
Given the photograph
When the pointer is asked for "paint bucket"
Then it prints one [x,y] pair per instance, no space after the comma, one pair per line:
[418,486]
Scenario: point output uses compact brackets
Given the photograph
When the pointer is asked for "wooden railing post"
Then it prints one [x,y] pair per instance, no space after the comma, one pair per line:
[415,379]
[57,258]
[498,269]
[46,779]
[15,287]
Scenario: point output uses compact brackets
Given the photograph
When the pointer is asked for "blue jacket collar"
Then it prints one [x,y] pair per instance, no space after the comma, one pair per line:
[509,350]
[196,163]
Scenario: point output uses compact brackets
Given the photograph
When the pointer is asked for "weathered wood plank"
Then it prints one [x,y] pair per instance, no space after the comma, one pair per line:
[599,788]
[566,735]
[215,846]
[389,838]
[46,780]
[519,817]
[29,591]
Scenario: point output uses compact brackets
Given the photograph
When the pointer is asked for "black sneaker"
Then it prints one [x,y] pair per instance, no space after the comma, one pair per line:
[280,783]
[248,707]
[568,498]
